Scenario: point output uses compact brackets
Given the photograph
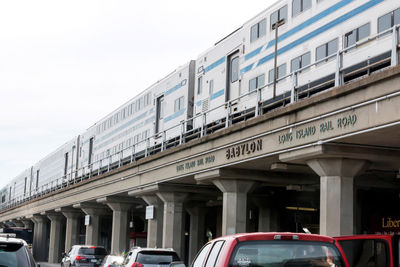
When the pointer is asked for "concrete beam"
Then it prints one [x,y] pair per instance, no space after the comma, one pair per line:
[173,187]
[263,177]
[334,150]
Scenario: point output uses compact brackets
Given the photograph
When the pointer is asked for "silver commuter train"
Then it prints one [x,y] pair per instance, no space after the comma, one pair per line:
[322,43]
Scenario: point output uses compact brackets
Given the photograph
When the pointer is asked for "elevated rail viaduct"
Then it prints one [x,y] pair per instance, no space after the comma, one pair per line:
[329,163]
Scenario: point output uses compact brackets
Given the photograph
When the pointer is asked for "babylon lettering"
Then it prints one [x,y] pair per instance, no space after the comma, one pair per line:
[244,149]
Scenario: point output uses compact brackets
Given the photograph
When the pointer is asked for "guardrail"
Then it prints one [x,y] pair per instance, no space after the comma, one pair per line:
[145,147]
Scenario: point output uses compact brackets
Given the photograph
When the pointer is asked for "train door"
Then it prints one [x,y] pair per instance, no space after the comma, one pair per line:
[232,91]
[160,113]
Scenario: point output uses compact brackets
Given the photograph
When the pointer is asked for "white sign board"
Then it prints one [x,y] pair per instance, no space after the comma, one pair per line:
[87,219]
[149,212]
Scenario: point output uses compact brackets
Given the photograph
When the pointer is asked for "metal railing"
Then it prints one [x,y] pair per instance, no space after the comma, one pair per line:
[159,142]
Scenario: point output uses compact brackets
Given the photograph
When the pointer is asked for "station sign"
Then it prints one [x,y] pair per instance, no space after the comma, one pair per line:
[150,212]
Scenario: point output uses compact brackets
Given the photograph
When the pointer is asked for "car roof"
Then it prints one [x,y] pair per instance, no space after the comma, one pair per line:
[153,249]
[87,246]
[277,236]
[13,240]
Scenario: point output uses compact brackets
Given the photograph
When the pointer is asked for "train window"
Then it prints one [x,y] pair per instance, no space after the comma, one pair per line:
[327,49]
[256,82]
[389,20]
[179,105]
[300,62]
[278,15]
[299,6]
[281,73]
[234,69]
[356,35]
[396,16]
[258,30]
[26,180]
[37,179]
[147,99]
[136,139]
[199,84]
[211,87]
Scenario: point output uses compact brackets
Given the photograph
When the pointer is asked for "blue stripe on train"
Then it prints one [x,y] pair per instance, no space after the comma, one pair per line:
[217,94]
[175,115]
[315,33]
[215,64]
[173,89]
[301,26]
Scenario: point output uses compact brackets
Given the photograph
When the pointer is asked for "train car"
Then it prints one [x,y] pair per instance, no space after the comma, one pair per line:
[316,39]
[144,122]
[60,166]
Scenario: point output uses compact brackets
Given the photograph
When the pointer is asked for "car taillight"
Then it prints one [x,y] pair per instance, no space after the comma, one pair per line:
[137,264]
[79,257]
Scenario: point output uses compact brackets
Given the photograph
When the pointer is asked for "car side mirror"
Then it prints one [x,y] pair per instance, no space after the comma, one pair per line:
[177,264]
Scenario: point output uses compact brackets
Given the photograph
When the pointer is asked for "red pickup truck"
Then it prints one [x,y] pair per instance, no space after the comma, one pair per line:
[269,249]
[371,250]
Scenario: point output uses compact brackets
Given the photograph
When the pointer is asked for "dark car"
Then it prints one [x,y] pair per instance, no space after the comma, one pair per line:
[14,252]
[85,256]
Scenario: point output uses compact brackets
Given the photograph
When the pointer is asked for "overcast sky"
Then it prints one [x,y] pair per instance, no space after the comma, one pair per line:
[66,64]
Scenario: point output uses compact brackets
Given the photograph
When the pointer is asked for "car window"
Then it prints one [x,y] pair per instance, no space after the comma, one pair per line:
[213,256]
[92,251]
[365,252]
[13,255]
[156,257]
[201,256]
[285,253]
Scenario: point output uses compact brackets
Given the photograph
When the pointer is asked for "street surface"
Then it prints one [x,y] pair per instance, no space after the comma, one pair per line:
[45,264]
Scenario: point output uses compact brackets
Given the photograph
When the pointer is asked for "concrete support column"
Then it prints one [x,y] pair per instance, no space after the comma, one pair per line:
[28,224]
[40,238]
[337,193]
[173,225]
[55,247]
[234,207]
[154,226]
[267,216]
[120,234]
[93,228]
[197,230]
[72,227]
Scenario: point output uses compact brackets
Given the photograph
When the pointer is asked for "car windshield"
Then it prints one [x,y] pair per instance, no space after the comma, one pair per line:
[92,251]
[13,255]
[157,257]
[285,254]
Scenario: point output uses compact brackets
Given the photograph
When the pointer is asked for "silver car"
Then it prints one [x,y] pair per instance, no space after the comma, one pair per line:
[149,257]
